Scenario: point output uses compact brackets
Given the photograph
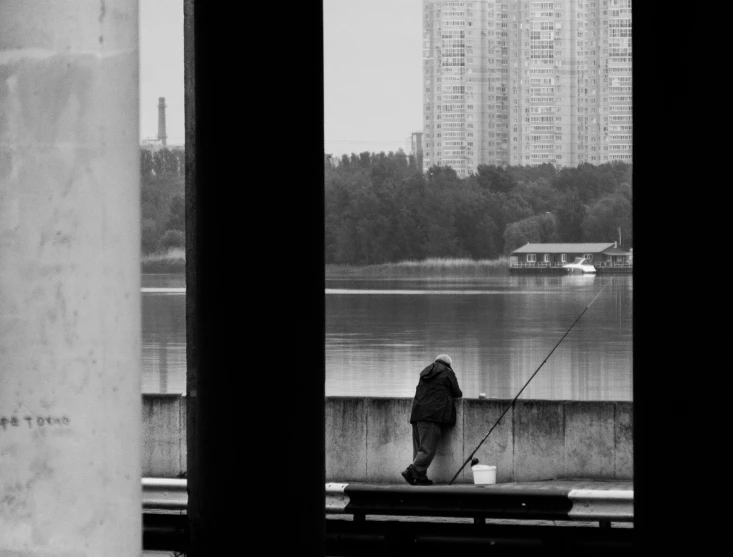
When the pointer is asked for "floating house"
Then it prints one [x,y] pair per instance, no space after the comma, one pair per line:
[549,258]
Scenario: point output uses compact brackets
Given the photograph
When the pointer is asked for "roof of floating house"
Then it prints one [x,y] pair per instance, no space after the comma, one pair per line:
[565,248]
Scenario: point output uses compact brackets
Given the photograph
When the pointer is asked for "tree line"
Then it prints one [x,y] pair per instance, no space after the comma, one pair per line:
[162,183]
[382,208]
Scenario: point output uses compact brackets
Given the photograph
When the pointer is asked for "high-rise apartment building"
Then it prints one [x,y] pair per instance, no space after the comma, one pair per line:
[520,82]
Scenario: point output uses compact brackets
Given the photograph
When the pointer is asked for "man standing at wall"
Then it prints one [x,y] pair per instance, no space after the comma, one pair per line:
[433,409]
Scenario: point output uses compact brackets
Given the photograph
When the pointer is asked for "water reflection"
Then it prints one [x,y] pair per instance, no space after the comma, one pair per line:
[379,334]
[163,334]
[498,330]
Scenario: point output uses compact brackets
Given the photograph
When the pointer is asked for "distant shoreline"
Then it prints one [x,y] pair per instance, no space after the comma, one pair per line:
[175,262]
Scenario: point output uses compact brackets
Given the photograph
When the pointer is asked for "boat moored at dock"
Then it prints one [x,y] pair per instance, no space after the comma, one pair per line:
[581,265]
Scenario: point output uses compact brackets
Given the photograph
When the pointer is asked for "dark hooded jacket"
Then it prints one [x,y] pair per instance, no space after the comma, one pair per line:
[435,394]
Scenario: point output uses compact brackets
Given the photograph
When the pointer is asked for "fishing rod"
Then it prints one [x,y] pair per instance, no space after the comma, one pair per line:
[525,386]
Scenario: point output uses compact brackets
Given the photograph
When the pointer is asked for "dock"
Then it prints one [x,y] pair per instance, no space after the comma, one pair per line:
[555,269]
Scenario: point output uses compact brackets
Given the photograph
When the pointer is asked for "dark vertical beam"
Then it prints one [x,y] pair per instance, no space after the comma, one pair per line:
[255,278]
[192,469]
[681,327]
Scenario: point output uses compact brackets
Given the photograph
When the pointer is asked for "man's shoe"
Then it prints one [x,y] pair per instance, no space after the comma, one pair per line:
[409,476]
[423,481]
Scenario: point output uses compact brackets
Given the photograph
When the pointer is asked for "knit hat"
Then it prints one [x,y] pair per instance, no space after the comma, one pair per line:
[445,358]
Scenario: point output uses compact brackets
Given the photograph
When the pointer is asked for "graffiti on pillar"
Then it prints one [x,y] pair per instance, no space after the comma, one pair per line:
[31,422]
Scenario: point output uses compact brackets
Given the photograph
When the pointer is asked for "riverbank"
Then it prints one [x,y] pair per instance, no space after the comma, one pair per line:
[427,268]
[174,261]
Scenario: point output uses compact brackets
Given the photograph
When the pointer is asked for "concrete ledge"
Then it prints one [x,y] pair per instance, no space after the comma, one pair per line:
[388,438]
[346,440]
[539,440]
[164,436]
[498,449]
[589,440]
[624,440]
[370,440]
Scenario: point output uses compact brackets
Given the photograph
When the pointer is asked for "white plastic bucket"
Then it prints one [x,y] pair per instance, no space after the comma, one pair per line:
[483,474]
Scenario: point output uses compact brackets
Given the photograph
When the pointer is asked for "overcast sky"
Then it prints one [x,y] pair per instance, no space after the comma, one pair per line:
[161,67]
[372,72]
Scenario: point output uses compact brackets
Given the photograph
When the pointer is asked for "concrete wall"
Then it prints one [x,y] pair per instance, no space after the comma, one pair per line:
[164,436]
[370,439]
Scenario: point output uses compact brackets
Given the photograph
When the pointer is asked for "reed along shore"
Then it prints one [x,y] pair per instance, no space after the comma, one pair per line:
[173,261]
[439,268]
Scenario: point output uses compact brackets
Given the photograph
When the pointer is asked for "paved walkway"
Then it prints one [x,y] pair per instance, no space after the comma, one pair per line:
[567,483]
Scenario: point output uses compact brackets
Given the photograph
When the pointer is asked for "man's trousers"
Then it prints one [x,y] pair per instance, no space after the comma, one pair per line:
[425,437]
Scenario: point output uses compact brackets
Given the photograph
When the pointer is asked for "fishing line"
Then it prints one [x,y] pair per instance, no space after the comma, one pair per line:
[525,385]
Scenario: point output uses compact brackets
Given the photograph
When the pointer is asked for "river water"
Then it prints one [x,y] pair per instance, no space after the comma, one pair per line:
[497,329]
[163,333]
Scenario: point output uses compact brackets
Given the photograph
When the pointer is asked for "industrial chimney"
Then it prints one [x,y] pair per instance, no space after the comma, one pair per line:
[161,121]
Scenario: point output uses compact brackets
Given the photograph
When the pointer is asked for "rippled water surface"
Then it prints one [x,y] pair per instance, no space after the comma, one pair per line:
[498,330]
[164,333]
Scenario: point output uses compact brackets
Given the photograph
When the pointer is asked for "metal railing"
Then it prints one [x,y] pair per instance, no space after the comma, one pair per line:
[543,265]
[164,494]
[536,265]
[495,501]
[165,517]
[608,264]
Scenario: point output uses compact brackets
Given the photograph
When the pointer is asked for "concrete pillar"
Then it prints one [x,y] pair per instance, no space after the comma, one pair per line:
[70,415]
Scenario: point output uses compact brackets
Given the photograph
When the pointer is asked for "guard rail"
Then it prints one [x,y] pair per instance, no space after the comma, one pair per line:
[495,501]
[164,494]
[165,527]
[480,503]
[165,520]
